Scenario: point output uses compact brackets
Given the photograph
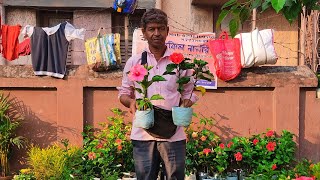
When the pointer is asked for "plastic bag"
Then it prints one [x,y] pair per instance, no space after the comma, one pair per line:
[226,57]
[125,6]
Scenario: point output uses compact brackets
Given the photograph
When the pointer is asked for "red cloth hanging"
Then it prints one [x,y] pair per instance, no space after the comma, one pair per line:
[10,41]
[24,47]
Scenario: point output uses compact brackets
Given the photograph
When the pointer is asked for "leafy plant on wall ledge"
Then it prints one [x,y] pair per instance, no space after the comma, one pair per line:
[241,11]
[9,122]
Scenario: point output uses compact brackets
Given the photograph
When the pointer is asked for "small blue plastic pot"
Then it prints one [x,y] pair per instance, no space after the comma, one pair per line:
[182,116]
[144,119]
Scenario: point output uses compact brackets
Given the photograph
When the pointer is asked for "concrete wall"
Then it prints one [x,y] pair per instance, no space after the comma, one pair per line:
[23,17]
[91,21]
[183,16]
[260,98]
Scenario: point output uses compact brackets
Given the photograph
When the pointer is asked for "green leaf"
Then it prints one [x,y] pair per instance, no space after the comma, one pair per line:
[291,13]
[316,7]
[233,27]
[255,4]
[221,17]
[171,67]
[156,97]
[229,3]
[244,14]
[183,80]
[139,90]
[148,67]
[288,3]
[170,73]
[186,65]
[277,4]
[265,5]
[202,89]
[158,78]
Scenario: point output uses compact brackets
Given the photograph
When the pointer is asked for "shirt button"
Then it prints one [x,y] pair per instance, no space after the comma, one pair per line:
[157,67]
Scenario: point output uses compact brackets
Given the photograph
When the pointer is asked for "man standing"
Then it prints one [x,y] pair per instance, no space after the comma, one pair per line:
[149,151]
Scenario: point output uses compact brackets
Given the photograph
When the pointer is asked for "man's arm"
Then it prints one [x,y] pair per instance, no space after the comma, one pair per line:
[128,102]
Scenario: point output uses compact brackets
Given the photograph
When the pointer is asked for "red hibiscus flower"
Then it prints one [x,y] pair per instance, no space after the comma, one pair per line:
[221,146]
[305,178]
[91,155]
[238,156]
[206,151]
[203,138]
[99,146]
[255,141]
[118,141]
[274,167]
[271,146]
[270,133]
[229,144]
[176,58]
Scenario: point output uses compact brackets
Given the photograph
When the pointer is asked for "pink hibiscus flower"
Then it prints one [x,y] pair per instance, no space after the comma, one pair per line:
[137,73]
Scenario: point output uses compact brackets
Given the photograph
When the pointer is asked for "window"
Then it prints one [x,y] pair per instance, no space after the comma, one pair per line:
[118,27]
[50,18]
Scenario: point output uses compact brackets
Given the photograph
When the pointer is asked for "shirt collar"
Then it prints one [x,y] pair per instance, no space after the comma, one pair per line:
[167,53]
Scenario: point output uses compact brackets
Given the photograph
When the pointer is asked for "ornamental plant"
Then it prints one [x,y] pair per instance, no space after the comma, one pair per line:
[180,65]
[272,154]
[140,74]
[241,10]
[9,122]
[201,142]
[107,152]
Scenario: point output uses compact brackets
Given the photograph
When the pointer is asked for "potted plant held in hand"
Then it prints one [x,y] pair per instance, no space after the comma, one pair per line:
[8,125]
[187,72]
[144,115]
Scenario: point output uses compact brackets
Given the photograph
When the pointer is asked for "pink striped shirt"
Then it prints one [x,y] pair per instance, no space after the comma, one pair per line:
[167,89]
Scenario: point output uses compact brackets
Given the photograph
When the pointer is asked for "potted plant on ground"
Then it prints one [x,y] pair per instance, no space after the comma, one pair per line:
[9,122]
[187,71]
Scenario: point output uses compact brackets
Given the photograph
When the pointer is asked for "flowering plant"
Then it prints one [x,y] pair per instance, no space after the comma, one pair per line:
[140,74]
[107,152]
[272,154]
[180,64]
[200,144]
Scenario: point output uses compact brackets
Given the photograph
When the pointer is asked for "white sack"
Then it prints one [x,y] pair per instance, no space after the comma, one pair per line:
[257,48]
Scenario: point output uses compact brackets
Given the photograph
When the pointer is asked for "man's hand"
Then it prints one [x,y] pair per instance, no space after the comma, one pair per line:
[133,106]
[186,103]
[128,102]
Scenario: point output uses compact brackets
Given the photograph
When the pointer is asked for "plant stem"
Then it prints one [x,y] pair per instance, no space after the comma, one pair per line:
[194,85]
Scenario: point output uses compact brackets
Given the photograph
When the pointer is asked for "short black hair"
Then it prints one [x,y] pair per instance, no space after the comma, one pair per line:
[154,16]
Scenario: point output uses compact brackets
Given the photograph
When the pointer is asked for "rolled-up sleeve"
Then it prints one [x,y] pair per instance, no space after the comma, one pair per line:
[126,87]
[188,92]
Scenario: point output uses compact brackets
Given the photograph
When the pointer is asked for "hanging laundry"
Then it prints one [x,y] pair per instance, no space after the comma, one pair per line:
[10,41]
[108,46]
[93,50]
[116,47]
[49,47]
[125,6]
[24,47]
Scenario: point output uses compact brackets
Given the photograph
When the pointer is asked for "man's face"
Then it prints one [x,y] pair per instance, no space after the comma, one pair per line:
[155,34]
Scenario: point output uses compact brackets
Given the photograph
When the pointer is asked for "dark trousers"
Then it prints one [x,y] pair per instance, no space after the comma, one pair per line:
[148,155]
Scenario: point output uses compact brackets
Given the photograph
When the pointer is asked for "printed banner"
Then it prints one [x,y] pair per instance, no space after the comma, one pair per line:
[191,45]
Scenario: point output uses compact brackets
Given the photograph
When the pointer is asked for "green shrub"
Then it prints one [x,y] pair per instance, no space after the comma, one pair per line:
[316,170]
[52,162]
